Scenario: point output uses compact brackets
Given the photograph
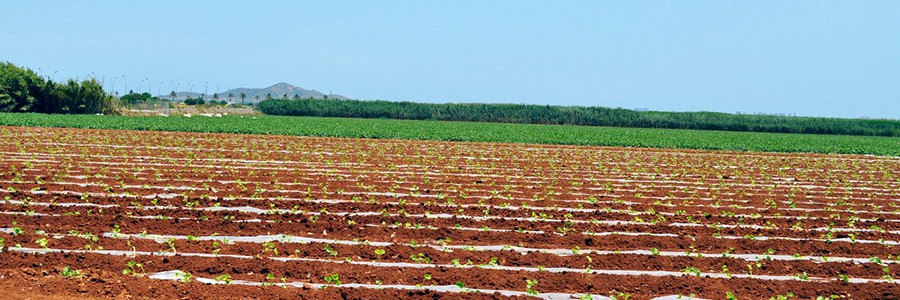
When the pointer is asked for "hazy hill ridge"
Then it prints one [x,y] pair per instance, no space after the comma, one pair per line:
[277,91]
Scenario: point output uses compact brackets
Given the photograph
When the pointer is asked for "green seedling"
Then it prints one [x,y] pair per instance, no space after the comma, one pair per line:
[68,272]
[420,258]
[171,243]
[692,270]
[269,246]
[786,296]
[226,278]
[529,287]
[328,249]
[334,279]
[132,267]
[43,242]
[185,277]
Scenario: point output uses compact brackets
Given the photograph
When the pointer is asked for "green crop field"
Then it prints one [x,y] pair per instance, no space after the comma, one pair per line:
[476,132]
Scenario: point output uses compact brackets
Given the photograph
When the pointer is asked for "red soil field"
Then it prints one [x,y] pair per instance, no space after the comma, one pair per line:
[88,214]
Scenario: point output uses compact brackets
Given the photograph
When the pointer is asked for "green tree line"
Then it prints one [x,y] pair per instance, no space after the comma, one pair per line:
[578,115]
[22,90]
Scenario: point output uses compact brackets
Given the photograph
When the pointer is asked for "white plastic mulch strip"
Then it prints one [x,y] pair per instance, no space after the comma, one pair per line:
[522,250]
[467,266]
[177,275]
[250,209]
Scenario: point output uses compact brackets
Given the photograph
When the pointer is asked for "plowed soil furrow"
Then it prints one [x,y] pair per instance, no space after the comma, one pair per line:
[512,218]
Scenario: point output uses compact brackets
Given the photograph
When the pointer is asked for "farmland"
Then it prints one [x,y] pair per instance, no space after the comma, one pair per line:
[477,132]
[576,115]
[110,213]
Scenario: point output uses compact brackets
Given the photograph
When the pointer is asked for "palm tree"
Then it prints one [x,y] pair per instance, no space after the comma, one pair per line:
[173,95]
[230,97]
[243,96]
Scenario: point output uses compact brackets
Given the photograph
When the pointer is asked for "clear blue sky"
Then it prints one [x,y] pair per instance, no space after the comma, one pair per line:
[813,58]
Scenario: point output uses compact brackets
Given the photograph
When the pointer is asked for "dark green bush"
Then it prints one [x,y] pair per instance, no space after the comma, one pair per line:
[21,90]
[577,115]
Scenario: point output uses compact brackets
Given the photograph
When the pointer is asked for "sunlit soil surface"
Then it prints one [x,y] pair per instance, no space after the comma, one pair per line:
[102,213]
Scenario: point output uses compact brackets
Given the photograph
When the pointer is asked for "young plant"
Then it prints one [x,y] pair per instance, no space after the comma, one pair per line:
[425,278]
[844,278]
[68,272]
[726,271]
[786,296]
[216,247]
[328,249]
[494,262]
[529,287]
[116,230]
[185,276]
[226,278]
[42,242]
[692,270]
[269,246]
[91,240]
[334,279]
[269,278]
[131,268]
[420,258]
[456,262]
[876,260]
[379,253]
[16,230]
[620,296]
[171,243]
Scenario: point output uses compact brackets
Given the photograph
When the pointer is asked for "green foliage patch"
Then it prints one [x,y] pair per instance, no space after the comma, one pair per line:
[21,90]
[477,132]
[577,115]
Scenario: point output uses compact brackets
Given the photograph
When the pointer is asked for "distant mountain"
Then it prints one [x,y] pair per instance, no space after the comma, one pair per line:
[278,91]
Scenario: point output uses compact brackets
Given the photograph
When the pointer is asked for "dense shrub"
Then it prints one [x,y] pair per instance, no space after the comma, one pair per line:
[21,90]
[577,115]
[197,101]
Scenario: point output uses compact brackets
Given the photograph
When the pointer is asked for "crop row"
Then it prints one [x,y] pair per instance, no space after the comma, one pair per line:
[510,218]
[477,132]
